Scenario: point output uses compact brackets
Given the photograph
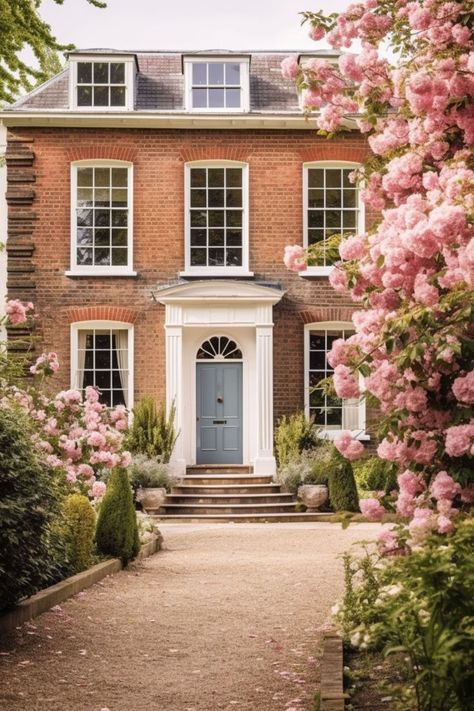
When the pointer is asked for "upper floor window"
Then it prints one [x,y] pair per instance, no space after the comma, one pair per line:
[101,213]
[330,413]
[218,85]
[216,218]
[332,206]
[102,83]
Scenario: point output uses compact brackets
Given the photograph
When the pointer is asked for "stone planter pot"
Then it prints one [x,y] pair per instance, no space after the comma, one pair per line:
[152,499]
[313,496]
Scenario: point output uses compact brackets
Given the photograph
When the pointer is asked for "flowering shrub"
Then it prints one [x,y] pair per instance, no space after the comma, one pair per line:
[413,270]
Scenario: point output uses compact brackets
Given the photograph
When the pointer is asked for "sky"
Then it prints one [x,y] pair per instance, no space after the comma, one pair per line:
[185,24]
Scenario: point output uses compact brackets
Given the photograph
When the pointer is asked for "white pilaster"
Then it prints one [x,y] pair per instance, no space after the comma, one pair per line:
[264,461]
[174,347]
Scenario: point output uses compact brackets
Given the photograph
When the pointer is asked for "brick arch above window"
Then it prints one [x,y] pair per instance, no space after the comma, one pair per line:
[102,313]
[197,153]
[114,152]
[325,314]
[335,152]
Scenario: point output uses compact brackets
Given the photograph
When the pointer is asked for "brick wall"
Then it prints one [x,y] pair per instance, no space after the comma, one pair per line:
[275,166]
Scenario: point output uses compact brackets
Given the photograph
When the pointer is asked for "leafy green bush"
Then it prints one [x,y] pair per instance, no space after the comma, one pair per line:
[293,434]
[117,531]
[342,487]
[422,606]
[146,472]
[322,461]
[29,506]
[152,431]
[79,531]
[374,474]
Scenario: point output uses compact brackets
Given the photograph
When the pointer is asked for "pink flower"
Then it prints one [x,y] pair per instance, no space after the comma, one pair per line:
[422,523]
[345,382]
[459,439]
[338,279]
[388,540]
[443,486]
[349,448]
[316,32]
[372,509]
[294,258]
[405,504]
[16,311]
[352,248]
[445,525]
[410,483]
[463,388]
[96,439]
[98,489]
[290,67]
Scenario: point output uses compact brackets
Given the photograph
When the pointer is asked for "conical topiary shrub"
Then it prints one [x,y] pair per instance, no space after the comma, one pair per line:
[342,487]
[117,531]
[79,529]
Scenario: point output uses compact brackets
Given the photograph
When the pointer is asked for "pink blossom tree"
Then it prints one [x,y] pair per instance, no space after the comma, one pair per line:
[412,272]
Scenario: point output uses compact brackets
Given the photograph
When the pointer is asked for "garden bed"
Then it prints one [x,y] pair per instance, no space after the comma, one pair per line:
[49,597]
[373,680]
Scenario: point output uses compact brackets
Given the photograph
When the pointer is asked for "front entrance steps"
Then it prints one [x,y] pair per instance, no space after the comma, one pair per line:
[223,494]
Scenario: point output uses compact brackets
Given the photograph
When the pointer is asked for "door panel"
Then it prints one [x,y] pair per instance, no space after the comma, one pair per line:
[219,413]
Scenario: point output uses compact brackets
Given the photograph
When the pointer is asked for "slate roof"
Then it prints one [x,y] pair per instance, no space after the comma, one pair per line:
[160,82]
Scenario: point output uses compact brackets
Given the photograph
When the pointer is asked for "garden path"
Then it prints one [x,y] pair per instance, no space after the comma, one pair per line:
[226,617]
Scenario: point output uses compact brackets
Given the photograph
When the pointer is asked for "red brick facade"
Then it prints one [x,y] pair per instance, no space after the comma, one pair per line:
[275,161]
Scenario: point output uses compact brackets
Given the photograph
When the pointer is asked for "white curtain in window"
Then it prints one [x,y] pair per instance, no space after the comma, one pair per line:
[121,344]
[350,413]
[81,358]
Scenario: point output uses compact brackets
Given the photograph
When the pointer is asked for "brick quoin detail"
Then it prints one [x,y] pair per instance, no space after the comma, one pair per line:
[321,151]
[335,313]
[102,313]
[213,153]
[101,152]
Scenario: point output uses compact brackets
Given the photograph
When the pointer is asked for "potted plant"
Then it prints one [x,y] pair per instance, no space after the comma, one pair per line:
[150,480]
[314,491]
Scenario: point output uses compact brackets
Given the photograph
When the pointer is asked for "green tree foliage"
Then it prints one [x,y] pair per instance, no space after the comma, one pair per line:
[342,486]
[29,506]
[152,431]
[374,474]
[21,28]
[292,435]
[79,532]
[117,531]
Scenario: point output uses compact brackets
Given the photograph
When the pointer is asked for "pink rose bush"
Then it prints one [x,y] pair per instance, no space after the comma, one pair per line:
[412,273]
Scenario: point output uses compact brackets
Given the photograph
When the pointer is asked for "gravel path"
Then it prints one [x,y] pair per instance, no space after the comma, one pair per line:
[227,617]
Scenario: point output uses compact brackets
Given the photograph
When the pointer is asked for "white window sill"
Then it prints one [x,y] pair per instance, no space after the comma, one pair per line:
[356,434]
[101,273]
[216,272]
[316,272]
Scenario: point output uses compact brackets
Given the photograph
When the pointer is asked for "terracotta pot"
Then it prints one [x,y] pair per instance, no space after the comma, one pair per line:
[152,498]
[313,496]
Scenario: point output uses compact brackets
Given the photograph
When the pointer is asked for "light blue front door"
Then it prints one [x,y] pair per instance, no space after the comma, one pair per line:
[219,413]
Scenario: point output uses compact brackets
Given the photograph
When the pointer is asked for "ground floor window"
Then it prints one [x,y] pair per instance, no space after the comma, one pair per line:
[102,358]
[330,412]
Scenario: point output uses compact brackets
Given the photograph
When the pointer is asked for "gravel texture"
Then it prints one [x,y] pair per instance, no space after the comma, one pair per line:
[227,616]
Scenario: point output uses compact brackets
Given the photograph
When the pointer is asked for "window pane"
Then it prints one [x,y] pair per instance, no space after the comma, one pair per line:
[102,197]
[234,218]
[102,340]
[102,238]
[119,238]
[333,178]
[216,257]
[316,178]
[233,257]
[315,218]
[117,73]
[84,257]
[317,341]
[216,238]
[119,198]
[101,96]
[232,98]
[333,198]
[345,178]
[216,218]
[199,98]
[198,238]
[198,218]
[317,360]
[234,238]
[234,198]
[234,177]
[102,256]
[349,198]
[84,176]
[216,177]
[216,73]
[315,198]
[198,177]
[199,73]
[84,218]
[102,218]
[119,177]
[198,198]
[84,237]
[333,219]
[101,73]
[315,236]
[84,73]
[215,198]
[102,360]
[349,219]
[119,218]
[117,96]
[84,96]
[102,177]
[216,98]
[198,257]
[84,197]
[119,257]
[232,73]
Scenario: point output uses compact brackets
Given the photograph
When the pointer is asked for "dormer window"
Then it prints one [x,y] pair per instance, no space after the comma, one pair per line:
[217,84]
[102,83]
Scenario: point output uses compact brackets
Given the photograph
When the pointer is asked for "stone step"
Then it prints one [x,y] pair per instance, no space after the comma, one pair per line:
[234,479]
[224,499]
[246,518]
[227,508]
[228,489]
[216,469]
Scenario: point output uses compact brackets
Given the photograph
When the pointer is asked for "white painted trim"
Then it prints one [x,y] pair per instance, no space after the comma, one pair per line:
[326,270]
[244,62]
[82,270]
[217,271]
[122,325]
[360,433]
[107,59]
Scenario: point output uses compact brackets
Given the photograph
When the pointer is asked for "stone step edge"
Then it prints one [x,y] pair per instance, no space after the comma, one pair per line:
[239,477]
[228,496]
[245,518]
[230,506]
[224,486]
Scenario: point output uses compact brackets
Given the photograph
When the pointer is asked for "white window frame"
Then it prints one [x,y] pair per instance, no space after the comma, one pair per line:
[207,271]
[100,270]
[109,325]
[325,270]
[244,62]
[360,432]
[129,62]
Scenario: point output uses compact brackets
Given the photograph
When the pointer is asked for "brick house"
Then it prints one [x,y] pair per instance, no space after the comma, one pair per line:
[150,198]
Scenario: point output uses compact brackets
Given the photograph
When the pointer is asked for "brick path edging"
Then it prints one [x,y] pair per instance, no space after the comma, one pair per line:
[332,689]
[49,597]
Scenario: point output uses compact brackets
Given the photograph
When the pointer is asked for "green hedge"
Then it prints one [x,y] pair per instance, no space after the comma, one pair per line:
[79,532]
[117,531]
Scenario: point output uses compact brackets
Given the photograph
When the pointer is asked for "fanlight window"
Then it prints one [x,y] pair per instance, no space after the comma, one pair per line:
[219,348]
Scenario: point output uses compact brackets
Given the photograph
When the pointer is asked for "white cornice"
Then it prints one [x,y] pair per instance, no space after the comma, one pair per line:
[148,119]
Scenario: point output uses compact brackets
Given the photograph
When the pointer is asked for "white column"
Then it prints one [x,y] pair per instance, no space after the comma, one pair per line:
[174,392]
[264,461]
